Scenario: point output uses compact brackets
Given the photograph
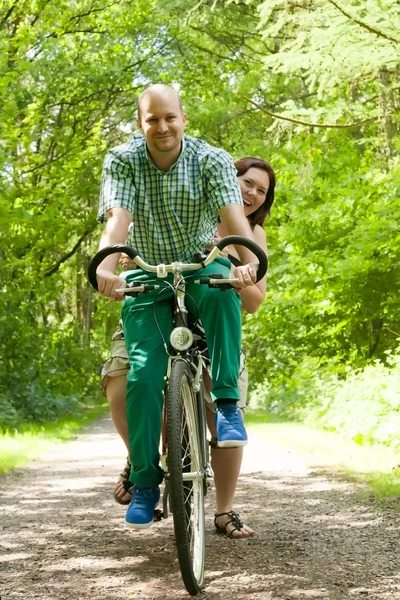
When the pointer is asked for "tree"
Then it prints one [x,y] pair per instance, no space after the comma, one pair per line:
[279,79]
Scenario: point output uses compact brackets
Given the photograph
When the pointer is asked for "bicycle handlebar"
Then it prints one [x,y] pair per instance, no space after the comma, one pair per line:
[102,254]
[237,240]
[177,266]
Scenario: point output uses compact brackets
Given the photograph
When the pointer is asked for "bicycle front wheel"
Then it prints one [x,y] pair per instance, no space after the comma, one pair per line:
[186,476]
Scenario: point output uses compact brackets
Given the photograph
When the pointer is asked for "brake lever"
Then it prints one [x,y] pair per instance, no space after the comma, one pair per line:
[134,290]
[210,281]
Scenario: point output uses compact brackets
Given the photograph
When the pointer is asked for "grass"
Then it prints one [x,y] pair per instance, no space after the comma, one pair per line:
[383,487]
[377,467]
[16,449]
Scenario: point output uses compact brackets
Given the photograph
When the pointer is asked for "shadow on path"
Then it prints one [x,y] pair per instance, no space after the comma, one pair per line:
[63,537]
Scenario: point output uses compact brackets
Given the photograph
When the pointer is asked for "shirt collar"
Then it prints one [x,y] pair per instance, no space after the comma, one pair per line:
[178,160]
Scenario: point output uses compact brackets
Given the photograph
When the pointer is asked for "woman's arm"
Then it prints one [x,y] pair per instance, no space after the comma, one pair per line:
[252,297]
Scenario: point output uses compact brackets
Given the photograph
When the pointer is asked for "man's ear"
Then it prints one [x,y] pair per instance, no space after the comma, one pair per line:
[184,117]
[139,124]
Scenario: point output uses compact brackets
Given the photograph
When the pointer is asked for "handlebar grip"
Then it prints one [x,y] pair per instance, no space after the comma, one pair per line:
[102,254]
[238,240]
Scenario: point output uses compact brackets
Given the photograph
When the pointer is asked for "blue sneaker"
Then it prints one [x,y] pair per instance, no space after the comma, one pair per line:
[140,512]
[231,432]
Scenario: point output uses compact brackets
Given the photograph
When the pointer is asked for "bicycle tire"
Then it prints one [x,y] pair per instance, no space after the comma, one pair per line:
[184,456]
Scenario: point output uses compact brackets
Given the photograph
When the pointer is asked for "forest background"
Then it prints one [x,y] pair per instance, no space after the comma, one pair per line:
[313,86]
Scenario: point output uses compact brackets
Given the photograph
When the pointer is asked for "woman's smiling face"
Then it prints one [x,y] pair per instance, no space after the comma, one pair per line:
[254,187]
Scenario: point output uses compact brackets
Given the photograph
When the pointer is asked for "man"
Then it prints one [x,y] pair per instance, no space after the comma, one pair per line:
[174,187]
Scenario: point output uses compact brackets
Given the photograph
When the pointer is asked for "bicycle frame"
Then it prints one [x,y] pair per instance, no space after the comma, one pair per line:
[195,361]
[186,464]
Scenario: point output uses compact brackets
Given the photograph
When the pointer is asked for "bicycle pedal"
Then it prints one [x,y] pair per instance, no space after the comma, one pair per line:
[158,515]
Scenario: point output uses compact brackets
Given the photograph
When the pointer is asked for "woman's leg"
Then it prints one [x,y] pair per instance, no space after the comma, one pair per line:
[115,390]
[226,463]
[116,394]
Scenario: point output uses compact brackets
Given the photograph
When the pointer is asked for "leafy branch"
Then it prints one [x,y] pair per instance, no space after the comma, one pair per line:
[62,260]
[8,14]
[308,124]
[364,25]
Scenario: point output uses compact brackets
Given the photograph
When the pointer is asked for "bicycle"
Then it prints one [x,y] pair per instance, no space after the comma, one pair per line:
[184,447]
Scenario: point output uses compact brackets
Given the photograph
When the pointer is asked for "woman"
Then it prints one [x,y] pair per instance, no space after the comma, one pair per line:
[257,183]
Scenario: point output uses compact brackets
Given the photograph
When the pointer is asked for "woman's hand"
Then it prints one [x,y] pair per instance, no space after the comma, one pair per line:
[216,239]
[246,275]
[126,263]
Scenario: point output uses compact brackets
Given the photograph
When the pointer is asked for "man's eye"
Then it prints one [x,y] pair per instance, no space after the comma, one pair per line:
[171,118]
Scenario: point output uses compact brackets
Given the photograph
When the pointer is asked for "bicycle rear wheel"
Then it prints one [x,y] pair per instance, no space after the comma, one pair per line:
[186,476]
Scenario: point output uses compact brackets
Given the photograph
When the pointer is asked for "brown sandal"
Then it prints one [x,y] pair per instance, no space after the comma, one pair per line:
[234,519]
[126,484]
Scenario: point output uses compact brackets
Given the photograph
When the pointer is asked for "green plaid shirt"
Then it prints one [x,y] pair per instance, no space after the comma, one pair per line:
[175,213]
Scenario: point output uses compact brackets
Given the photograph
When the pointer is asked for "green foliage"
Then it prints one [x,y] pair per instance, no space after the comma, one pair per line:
[365,406]
[361,405]
[66,93]
[334,265]
[48,375]
[70,75]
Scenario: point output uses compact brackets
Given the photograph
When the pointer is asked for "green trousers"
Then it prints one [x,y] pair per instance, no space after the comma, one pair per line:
[221,318]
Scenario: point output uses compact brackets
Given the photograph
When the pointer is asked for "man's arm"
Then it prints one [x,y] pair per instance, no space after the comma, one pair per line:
[223,193]
[115,232]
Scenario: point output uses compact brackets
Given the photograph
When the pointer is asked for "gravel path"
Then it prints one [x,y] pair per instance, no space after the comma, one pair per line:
[63,537]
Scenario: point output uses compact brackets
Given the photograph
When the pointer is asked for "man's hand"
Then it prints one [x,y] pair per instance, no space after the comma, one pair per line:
[108,283]
[247,275]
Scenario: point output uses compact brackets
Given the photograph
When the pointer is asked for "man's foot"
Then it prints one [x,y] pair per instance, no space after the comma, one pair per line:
[122,494]
[140,513]
[229,523]
[231,432]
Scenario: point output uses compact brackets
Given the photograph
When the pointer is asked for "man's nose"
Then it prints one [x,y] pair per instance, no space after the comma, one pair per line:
[162,126]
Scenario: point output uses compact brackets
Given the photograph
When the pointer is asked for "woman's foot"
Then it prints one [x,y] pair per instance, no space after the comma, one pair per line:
[229,523]
[122,494]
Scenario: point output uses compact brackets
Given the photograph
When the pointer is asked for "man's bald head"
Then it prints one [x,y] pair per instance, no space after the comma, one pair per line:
[162,121]
[161,92]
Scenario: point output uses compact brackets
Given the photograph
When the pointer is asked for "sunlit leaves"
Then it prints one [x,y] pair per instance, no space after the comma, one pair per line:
[70,77]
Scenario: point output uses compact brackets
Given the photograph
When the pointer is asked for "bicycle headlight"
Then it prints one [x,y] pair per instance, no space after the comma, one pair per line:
[181,338]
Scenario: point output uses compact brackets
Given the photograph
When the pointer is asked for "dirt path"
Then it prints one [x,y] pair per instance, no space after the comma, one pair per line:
[62,536]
